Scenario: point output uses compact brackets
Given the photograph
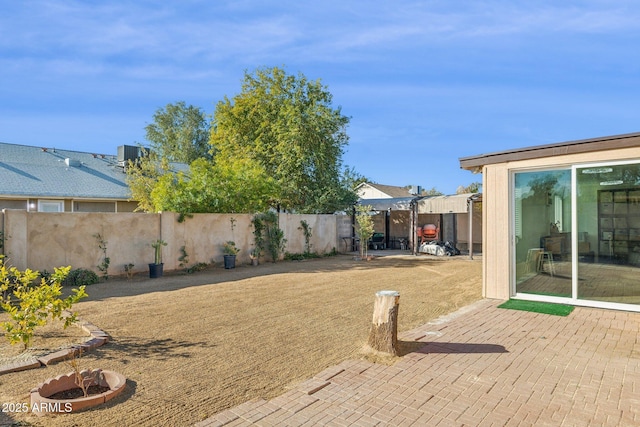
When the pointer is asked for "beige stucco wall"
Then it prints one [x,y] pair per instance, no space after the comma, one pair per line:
[42,241]
[497,204]
[324,231]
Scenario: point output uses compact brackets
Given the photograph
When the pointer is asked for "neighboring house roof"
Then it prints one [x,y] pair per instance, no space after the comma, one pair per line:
[475,163]
[390,190]
[394,203]
[455,203]
[51,172]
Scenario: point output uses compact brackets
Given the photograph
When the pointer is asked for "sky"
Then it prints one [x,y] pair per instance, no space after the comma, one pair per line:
[424,82]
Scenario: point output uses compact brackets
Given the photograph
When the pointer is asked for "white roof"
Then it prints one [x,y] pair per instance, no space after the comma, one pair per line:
[457,203]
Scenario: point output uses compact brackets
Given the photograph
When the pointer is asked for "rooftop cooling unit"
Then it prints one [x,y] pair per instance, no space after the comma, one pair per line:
[72,162]
[126,153]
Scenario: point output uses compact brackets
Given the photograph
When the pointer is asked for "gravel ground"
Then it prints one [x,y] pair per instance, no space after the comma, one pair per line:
[193,345]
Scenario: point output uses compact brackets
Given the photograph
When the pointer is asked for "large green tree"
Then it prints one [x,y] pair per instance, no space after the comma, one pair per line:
[288,125]
[179,133]
[235,186]
[142,177]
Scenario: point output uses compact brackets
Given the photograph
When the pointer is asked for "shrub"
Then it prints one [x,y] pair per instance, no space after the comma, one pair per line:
[30,305]
[80,277]
[299,257]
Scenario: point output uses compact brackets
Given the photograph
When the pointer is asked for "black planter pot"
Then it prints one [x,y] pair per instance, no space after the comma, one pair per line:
[155,270]
[229,261]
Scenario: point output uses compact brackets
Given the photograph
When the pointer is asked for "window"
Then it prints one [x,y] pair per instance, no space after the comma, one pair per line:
[50,206]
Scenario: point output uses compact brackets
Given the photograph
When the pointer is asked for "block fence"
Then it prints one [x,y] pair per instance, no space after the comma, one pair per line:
[43,240]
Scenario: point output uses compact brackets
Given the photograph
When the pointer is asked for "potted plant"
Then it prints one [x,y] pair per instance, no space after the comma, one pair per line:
[230,251]
[155,268]
[254,255]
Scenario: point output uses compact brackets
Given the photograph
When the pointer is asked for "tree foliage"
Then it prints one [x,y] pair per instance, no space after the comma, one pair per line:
[30,305]
[432,192]
[238,185]
[474,187]
[179,133]
[365,227]
[288,126]
[142,178]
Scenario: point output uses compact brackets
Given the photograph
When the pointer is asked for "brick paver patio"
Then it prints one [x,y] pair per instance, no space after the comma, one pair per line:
[481,366]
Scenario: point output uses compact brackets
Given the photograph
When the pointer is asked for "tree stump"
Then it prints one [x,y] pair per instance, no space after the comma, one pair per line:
[384,330]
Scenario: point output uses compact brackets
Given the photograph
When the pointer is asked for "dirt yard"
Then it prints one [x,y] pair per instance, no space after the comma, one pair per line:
[193,345]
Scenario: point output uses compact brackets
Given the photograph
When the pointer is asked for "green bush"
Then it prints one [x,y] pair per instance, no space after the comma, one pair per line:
[299,257]
[31,305]
[81,277]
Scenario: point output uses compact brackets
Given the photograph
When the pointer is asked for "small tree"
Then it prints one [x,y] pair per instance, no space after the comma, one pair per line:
[29,305]
[364,230]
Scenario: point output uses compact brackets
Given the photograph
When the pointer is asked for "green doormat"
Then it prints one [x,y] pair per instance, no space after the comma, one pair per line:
[538,307]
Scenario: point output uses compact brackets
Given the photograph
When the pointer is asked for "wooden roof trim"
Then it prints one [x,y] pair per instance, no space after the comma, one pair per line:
[549,150]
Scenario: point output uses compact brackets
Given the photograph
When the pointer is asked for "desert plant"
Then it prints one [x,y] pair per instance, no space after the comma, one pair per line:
[78,277]
[196,267]
[183,259]
[306,230]
[258,235]
[276,242]
[128,269]
[35,302]
[83,378]
[267,224]
[157,246]
[300,257]
[104,265]
[229,248]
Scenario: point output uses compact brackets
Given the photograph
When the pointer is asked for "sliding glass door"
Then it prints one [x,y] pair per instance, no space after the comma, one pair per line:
[542,219]
[577,234]
[608,244]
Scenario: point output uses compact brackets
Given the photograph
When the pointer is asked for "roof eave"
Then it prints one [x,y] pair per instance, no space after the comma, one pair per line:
[474,163]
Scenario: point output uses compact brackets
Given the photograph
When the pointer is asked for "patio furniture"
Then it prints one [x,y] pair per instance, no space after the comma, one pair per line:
[377,241]
[350,241]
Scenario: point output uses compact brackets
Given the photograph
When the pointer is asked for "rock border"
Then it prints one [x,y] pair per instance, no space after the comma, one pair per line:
[97,338]
[39,396]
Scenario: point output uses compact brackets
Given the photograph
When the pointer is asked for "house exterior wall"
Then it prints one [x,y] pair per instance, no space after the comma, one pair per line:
[42,241]
[368,192]
[498,205]
[70,205]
